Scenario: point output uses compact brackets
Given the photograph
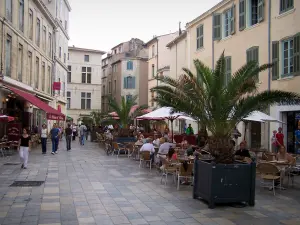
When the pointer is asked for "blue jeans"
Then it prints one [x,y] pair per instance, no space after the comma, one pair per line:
[54,144]
[44,144]
[82,137]
[68,141]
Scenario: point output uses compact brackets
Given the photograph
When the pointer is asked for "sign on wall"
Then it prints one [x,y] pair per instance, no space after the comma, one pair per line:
[56,86]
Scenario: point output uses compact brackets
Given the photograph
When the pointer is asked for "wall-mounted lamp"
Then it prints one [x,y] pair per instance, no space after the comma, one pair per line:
[30,106]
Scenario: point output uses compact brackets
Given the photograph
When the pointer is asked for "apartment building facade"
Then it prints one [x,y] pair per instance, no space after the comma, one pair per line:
[27,29]
[83,82]
[159,59]
[252,30]
[60,10]
[125,71]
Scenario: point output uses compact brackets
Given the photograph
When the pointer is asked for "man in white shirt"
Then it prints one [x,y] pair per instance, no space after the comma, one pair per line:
[164,149]
[148,147]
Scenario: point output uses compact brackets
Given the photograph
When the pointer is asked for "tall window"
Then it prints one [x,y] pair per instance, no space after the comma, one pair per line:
[115,68]
[44,38]
[20,62]
[69,77]
[49,80]
[103,73]
[43,76]
[30,23]
[38,31]
[8,9]
[256,11]
[288,56]
[21,15]
[68,99]
[242,15]
[153,50]
[286,5]
[50,45]
[227,26]
[30,68]
[129,82]
[227,70]
[59,53]
[115,86]
[65,57]
[8,56]
[252,54]
[86,58]
[37,72]
[85,100]
[153,71]
[109,87]
[200,37]
[129,65]
[86,75]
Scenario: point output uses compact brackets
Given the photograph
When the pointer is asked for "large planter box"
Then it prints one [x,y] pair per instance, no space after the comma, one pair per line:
[224,183]
[125,139]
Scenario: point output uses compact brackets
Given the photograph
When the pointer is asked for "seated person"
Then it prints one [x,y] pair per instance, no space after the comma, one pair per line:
[184,143]
[282,155]
[148,147]
[242,153]
[164,148]
[172,154]
[156,141]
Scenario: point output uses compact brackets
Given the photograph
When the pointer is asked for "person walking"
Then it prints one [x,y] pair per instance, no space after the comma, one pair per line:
[82,131]
[68,132]
[24,148]
[54,138]
[74,129]
[44,135]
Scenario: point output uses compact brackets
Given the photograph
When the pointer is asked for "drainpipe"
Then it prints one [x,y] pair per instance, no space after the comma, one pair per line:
[156,59]
[2,50]
[213,44]
[269,61]
[176,61]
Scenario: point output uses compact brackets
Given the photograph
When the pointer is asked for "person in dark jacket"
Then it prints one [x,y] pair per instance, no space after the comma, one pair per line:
[68,133]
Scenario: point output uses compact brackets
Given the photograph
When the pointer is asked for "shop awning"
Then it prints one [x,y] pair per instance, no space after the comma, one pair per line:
[52,114]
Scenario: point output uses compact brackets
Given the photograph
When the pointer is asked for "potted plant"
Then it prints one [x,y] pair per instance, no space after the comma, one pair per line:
[125,112]
[220,100]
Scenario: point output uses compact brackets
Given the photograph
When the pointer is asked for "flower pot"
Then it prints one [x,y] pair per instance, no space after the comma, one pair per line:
[224,183]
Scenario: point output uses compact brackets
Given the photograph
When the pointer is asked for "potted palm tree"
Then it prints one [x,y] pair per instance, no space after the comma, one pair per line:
[220,101]
[125,112]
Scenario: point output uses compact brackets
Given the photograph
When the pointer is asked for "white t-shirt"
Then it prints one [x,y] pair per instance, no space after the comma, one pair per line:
[148,147]
[44,133]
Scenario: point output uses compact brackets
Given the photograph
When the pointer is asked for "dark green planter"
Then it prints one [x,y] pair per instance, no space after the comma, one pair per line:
[224,183]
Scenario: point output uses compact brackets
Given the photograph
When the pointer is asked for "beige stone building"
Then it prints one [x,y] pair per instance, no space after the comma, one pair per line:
[261,30]
[125,72]
[84,82]
[27,30]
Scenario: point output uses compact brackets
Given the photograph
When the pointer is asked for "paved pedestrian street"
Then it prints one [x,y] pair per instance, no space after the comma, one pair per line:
[84,186]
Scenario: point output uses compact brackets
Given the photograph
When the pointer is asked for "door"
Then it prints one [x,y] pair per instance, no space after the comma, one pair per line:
[255,135]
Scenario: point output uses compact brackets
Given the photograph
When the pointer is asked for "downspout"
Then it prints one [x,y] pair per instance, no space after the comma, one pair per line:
[156,60]
[176,61]
[269,61]
[213,44]
[2,50]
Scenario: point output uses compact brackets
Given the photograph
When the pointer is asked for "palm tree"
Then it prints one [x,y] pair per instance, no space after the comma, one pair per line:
[97,117]
[124,110]
[219,104]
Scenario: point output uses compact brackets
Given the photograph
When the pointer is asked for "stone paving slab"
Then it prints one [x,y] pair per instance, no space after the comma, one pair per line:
[84,186]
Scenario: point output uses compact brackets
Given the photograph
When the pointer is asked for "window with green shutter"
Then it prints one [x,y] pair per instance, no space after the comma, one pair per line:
[286,5]
[275,60]
[242,15]
[260,11]
[288,57]
[200,36]
[217,27]
[252,54]
[232,20]
[296,54]
[227,77]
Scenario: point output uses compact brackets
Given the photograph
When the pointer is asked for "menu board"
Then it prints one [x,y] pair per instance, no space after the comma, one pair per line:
[13,131]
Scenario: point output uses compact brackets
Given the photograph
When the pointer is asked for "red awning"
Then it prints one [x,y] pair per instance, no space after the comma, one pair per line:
[52,114]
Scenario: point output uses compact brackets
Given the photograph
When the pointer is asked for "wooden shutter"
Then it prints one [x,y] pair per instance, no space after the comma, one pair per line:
[201,36]
[228,70]
[217,24]
[232,20]
[133,83]
[275,60]
[297,54]
[249,55]
[125,82]
[242,15]
[255,55]
[260,10]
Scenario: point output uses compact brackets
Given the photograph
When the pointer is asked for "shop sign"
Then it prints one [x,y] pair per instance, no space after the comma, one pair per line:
[55,117]
[13,131]
[56,86]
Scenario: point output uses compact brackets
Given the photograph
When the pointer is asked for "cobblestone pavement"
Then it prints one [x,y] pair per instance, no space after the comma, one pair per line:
[84,186]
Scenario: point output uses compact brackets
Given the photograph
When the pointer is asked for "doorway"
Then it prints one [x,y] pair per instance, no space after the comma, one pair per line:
[255,135]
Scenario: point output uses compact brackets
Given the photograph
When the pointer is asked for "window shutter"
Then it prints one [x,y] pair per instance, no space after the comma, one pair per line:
[228,70]
[297,54]
[133,82]
[249,55]
[242,15]
[256,55]
[125,82]
[217,27]
[201,36]
[260,10]
[275,60]
[232,20]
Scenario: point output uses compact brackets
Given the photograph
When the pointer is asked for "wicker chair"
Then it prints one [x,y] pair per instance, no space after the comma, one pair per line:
[182,173]
[145,157]
[269,172]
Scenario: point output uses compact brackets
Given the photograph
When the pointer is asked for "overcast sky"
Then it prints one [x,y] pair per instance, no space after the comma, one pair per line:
[102,24]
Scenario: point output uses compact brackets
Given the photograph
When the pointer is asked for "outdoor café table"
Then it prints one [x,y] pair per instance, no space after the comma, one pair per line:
[186,159]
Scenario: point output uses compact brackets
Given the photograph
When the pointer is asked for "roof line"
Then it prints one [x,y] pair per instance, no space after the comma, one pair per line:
[177,39]
[86,50]
[154,38]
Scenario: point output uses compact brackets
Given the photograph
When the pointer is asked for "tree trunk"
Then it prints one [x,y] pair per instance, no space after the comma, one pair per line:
[220,149]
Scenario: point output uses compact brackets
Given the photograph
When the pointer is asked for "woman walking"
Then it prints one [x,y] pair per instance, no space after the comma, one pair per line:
[44,135]
[24,148]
